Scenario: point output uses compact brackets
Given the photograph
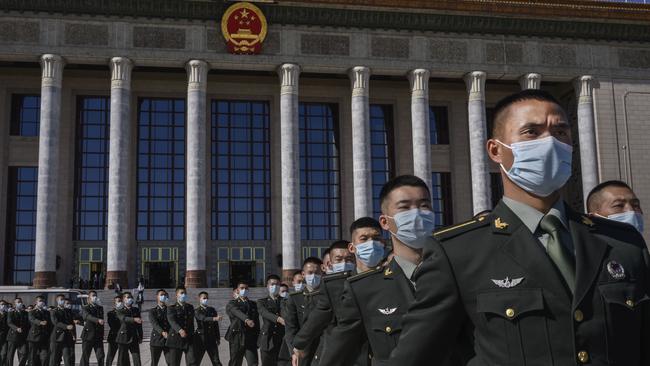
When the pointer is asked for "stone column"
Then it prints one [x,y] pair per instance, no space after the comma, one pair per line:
[361,158]
[419,80]
[477,124]
[48,171]
[197,192]
[584,87]
[532,80]
[117,242]
[290,166]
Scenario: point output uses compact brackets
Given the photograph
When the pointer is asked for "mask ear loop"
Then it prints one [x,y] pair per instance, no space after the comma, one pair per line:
[501,164]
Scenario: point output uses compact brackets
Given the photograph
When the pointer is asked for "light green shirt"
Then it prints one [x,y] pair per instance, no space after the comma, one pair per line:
[531,219]
[407,267]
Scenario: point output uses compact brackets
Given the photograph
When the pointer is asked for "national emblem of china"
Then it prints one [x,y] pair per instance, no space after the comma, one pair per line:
[244,28]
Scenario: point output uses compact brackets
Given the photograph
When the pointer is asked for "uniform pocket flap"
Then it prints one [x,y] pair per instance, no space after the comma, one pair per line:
[387,324]
[510,304]
[625,294]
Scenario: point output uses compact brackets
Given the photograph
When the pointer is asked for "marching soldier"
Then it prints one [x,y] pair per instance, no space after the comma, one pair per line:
[244,328]
[207,337]
[536,282]
[4,328]
[39,333]
[284,356]
[63,335]
[92,336]
[18,322]
[113,330]
[181,334]
[272,333]
[322,318]
[159,329]
[130,334]
[299,305]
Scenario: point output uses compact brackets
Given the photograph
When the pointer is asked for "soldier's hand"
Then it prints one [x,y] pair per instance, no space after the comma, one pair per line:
[280,320]
[165,334]
[295,361]
[76,321]
[250,323]
[299,353]
[182,333]
[19,330]
[43,322]
[101,321]
[137,320]
[69,327]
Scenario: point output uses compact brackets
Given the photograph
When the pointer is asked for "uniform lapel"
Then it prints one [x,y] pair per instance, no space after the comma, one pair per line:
[394,272]
[590,251]
[520,244]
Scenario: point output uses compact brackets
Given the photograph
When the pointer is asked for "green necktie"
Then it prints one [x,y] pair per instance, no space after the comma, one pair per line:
[557,251]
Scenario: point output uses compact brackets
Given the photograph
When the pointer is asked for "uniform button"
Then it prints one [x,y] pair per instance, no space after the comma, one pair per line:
[510,313]
[578,315]
[388,329]
[583,356]
[629,302]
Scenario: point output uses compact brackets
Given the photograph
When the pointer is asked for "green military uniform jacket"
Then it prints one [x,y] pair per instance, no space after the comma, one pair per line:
[180,316]
[159,324]
[271,333]
[39,333]
[93,332]
[494,274]
[296,313]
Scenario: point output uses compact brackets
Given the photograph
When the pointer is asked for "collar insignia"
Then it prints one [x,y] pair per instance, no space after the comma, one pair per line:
[507,282]
[501,225]
[388,272]
[387,311]
[587,221]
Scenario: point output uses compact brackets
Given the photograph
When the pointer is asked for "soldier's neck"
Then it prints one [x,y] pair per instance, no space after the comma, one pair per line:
[404,251]
[541,204]
[361,267]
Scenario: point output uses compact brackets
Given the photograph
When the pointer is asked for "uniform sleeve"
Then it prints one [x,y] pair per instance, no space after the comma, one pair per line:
[348,335]
[87,316]
[33,319]
[10,321]
[58,323]
[121,315]
[233,311]
[319,318]
[171,318]
[290,316]
[434,320]
[155,324]
[265,313]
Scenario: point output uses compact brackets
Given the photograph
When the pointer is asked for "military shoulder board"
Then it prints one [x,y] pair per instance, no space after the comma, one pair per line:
[455,230]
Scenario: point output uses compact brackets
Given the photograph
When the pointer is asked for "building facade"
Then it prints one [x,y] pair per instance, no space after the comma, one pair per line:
[133,144]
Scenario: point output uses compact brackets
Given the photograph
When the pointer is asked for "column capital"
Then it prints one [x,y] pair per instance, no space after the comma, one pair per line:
[197,74]
[289,74]
[475,82]
[52,68]
[531,80]
[121,72]
[584,86]
[359,79]
[419,80]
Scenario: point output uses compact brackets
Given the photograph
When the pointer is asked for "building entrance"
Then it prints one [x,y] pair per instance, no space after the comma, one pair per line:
[160,274]
[242,271]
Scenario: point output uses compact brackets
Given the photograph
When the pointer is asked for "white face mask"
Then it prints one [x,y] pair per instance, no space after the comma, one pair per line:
[312,280]
[414,227]
[273,290]
[629,217]
[204,301]
[284,294]
[298,286]
[343,267]
[243,292]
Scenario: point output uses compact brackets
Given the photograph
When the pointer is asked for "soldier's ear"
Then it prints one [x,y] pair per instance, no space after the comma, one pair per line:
[495,151]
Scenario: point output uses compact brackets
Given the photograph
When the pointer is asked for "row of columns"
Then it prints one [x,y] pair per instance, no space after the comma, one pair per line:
[196,185]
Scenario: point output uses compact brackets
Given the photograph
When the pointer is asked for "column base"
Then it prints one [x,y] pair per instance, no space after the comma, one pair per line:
[287,275]
[113,277]
[44,279]
[195,278]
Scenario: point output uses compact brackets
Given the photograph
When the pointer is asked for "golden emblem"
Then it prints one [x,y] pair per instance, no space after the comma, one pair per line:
[244,28]
[501,225]
[587,221]
[388,272]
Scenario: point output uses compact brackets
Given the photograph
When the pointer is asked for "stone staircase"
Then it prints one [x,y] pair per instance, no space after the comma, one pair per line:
[219,298]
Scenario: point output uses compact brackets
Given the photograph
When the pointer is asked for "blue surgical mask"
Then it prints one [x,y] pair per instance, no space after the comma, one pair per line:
[298,286]
[40,304]
[414,227]
[342,267]
[163,298]
[182,298]
[312,280]
[119,305]
[284,294]
[204,301]
[95,300]
[540,166]
[243,292]
[20,306]
[629,217]
[60,302]
[129,301]
[370,253]
[273,290]
[67,306]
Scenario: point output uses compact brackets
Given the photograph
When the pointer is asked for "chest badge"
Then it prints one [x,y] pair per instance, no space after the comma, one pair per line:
[616,270]
[387,311]
[507,282]
[501,225]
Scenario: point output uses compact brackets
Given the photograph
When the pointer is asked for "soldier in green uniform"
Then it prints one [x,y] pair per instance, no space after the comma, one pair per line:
[18,323]
[300,304]
[181,335]
[536,282]
[4,307]
[113,330]
[322,318]
[615,200]
[64,334]
[272,332]
[159,329]
[244,327]
[207,337]
[39,333]
[92,335]
[130,335]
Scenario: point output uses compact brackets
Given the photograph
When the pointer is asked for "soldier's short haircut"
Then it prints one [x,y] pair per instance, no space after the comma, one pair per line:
[284,285]
[117,297]
[127,293]
[313,260]
[296,273]
[365,222]
[18,298]
[401,181]
[40,297]
[180,288]
[339,244]
[203,293]
[595,197]
[239,282]
[92,292]
[272,277]
[161,290]
[502,107]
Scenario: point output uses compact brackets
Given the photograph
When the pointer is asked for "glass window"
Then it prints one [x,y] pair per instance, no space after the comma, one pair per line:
[381,150]
[438,125]
[241,179]
[319,172]
[91,168]
[161,169]
[25,114]
[21,224]
[441,198]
